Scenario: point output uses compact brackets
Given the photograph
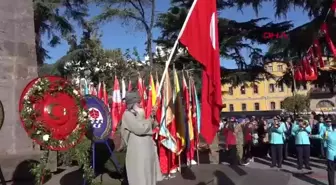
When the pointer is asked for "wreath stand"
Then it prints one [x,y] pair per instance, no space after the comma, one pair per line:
[112,157]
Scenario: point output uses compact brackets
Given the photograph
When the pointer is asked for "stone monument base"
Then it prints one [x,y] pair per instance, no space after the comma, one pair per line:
[16,167]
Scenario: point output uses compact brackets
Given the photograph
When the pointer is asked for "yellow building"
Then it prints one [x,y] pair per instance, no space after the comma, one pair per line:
[260,96]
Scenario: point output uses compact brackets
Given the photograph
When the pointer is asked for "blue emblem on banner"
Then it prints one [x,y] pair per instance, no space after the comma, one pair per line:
[100,119]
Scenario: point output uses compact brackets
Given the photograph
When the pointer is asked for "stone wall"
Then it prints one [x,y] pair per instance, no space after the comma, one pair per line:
[17,67]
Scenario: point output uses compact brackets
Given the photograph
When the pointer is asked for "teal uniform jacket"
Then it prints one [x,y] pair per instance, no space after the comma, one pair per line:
[301,135]
[331,145]
[277,134]
[284,133]
[323,128]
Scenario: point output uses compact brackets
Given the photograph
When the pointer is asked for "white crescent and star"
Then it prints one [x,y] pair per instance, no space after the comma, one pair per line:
[213,30]
[50,108]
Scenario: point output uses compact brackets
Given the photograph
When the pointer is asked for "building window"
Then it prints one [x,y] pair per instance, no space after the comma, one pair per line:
[281,105]
[224,106]
[325,104]
[256,106]
[255,89]
[231,108]
[270,68]
[273,105]
[281,88]
[242,90]
[243,107]
[280,68]
[230,90]
[271,88]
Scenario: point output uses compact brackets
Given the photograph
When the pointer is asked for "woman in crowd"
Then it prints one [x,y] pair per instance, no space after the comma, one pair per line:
[240,141]
[301,132]
[255,136]
[263,136]
[323,129]
[231,142]
[277,140]
[248,131]
[330,137]
[142,163]
[287,134]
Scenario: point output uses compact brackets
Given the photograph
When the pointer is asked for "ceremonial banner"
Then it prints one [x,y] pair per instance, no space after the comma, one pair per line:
[200,37]
[179,116]
[99,117]
[116,104]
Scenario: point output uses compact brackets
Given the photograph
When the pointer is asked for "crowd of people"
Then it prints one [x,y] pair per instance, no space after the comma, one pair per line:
[244,138]
[280,137]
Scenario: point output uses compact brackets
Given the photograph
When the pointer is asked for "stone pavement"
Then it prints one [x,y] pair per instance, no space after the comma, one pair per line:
[258,168]
[318,175]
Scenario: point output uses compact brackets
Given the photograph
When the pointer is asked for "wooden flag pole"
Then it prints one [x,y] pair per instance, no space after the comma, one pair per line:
[180,164]
[197,151]
[196,134]
[175,47]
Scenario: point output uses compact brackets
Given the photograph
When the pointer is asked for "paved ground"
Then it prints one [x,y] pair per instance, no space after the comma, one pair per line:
[318,175]
[256,173]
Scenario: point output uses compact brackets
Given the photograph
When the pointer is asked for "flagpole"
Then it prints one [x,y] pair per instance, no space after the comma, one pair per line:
[196,126]
[174,47]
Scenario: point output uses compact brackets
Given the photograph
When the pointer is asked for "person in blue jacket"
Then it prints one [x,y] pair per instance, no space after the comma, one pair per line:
[323,128]
[330,137]
[301,131]
[277,130]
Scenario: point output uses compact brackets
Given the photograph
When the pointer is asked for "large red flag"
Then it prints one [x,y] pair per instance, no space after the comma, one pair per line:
[105,95]
[141,90]
[116,105]
[92,89]
[123,95]
[189,116]
[200,37]
[100,91]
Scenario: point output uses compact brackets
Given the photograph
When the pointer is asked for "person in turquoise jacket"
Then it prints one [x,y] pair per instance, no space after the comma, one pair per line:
[277,130]
[330,137]
[323,128]
[301,131]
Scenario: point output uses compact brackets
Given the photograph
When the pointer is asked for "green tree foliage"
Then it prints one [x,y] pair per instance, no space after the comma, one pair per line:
[53,17]
[89,60]
[296,104]
[233,37]
[301,38]
[140,13]
[49,69]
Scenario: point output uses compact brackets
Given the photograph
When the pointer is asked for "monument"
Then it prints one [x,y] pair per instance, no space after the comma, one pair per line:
[17,67]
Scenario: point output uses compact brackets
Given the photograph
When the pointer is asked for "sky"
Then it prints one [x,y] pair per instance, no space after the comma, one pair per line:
[114,35]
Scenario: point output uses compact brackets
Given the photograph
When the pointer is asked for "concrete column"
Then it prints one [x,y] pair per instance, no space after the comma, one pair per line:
[17,67]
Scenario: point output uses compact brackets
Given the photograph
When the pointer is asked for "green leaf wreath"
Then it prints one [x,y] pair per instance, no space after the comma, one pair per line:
[37,130]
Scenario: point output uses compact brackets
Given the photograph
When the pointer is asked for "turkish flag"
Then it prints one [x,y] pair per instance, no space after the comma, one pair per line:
[200,37]
[333,8]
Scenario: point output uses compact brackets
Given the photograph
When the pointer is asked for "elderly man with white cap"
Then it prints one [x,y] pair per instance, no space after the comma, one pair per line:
[142,164]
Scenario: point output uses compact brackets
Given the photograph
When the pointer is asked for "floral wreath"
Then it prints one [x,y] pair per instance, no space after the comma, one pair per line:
[36,130]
